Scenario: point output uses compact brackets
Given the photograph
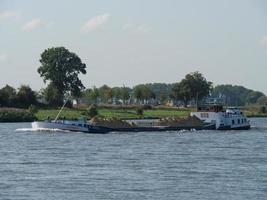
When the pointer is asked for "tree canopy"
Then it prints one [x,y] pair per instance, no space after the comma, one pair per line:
[237,95]
[61,67]
[193,87]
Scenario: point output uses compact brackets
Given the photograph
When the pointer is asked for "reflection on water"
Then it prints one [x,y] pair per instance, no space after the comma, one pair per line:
[174,165]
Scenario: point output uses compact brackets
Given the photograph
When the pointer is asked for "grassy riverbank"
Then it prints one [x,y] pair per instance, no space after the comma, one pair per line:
[130,113]
[253,111]
[19,115]
[111,112]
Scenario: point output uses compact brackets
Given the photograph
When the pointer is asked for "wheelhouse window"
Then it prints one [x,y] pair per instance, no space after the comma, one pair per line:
[233,121]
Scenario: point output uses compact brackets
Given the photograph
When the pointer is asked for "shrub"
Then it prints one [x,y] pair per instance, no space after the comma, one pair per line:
[92,111]
[33,109]
[16,115]
[139,111]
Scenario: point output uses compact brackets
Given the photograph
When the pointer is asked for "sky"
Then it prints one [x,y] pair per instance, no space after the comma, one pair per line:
[128,42]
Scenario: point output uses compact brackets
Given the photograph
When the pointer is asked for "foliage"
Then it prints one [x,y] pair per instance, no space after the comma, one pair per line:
[53,96]
[125,94]
[91,95]
[253,96]
[92,111]
[236,95]
[262,100]
[193,87]
[33,109]
[15,115]
[62,67]
[139,111]
[26,97]
[7,96]
[105,94]
[143,93]
[181,91]
[199,86]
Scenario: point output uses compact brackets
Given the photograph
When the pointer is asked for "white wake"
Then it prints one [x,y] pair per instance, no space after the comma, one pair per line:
[40,130]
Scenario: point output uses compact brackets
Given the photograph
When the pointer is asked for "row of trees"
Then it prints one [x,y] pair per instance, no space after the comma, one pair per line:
[106,94]
[60,68]
[239,95]
[21,98]
[192,88]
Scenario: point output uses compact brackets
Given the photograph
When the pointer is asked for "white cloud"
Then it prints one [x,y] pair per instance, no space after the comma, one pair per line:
[263,41]
[139,29]
[142,29]
[95,22]
[3,57]
[127,27]
[32,25]
[7,15]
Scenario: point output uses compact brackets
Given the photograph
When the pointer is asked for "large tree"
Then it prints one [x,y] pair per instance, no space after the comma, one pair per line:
[193,87]
[198,84]
[181,91]
[61,68]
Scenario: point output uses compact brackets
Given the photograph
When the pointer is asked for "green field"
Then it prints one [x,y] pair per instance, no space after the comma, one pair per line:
[121,113]
[109,112]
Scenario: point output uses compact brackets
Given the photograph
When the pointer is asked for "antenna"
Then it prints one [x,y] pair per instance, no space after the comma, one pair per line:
[61,108]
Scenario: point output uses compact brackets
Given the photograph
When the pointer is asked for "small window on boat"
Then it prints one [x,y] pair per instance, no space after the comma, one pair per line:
[233,121]
[238,121]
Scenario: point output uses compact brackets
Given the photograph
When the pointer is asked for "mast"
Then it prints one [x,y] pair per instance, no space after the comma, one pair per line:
[61,109]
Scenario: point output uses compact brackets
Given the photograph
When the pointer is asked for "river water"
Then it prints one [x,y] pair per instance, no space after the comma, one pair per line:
[174,165]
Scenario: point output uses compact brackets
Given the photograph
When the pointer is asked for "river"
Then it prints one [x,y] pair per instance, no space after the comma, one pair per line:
[56,165]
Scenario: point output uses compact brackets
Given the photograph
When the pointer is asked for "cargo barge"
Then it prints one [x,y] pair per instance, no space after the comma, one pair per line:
[97,125]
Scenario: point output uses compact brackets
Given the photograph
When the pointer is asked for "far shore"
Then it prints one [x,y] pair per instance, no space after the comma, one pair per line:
[114,112]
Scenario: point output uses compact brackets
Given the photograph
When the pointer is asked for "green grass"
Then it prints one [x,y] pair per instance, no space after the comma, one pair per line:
[67,113]
[131,113]
[118,113]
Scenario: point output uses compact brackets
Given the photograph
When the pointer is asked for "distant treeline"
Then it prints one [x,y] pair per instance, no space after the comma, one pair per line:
[239,95]
[162,93]
[188,91]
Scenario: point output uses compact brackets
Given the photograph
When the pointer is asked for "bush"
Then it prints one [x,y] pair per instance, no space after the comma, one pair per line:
[16,115]
[33,109]
[263,109]
[92,111]
[140,111]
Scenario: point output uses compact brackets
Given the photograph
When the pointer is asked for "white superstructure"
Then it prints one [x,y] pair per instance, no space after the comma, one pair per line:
[232,118]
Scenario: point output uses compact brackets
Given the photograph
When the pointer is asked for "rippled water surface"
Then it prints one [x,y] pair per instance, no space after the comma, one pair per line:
[122,166]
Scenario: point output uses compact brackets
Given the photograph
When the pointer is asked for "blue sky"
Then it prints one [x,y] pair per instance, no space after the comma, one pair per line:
[138,41]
